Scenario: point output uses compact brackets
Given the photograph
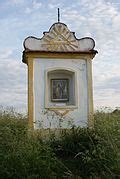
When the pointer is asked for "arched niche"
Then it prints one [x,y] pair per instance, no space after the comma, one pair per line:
[61,88]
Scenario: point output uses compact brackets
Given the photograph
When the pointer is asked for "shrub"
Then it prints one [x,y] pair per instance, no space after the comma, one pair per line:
[76,153]
[22,154]
[107,126]
[92,153]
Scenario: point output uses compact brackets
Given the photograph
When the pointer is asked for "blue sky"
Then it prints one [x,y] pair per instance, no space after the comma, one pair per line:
[98,19]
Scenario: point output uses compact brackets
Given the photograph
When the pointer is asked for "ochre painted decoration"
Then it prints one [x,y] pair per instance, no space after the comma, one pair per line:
[59,39]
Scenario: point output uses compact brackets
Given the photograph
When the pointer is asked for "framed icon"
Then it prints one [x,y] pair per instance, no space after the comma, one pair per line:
[59,90]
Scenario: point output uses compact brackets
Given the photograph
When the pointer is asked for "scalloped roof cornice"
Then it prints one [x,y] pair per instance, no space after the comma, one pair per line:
[59,39]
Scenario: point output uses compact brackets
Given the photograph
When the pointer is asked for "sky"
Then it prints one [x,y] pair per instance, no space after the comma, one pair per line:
[99,19]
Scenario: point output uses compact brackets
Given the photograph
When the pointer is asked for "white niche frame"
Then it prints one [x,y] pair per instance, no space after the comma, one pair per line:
[69,72]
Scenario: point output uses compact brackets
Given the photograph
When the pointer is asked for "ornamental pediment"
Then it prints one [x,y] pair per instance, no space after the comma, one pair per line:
[59,39]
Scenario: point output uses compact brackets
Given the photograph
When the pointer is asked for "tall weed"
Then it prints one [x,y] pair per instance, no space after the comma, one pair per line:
[76,153]
[22,155]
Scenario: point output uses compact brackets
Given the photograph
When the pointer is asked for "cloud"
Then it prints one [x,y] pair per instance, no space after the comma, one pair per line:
[101,22]
[28,10]
[13,81]
[5,53]
[16,2]
[54,6]
[33,7]
[106,98]
[36,5]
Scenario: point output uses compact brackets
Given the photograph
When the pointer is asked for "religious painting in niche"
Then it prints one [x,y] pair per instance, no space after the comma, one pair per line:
[59,90]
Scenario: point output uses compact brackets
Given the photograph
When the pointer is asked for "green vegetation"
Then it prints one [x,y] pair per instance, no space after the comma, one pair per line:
[77,153]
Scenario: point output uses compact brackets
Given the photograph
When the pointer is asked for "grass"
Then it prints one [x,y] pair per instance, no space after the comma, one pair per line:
[77,153]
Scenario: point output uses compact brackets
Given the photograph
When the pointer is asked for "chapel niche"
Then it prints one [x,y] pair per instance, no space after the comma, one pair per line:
[61,88]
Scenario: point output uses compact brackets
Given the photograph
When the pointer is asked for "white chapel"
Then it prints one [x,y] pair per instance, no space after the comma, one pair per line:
[60,93]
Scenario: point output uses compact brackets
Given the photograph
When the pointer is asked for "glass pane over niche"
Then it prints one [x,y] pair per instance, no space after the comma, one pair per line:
[59,90]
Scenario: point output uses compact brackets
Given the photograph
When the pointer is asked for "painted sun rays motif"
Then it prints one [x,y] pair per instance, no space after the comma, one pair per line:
[59,38]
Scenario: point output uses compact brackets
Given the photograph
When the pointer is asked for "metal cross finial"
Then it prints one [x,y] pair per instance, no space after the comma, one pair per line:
[58,15]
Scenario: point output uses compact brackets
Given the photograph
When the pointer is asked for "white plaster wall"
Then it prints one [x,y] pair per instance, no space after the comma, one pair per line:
[44,118]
